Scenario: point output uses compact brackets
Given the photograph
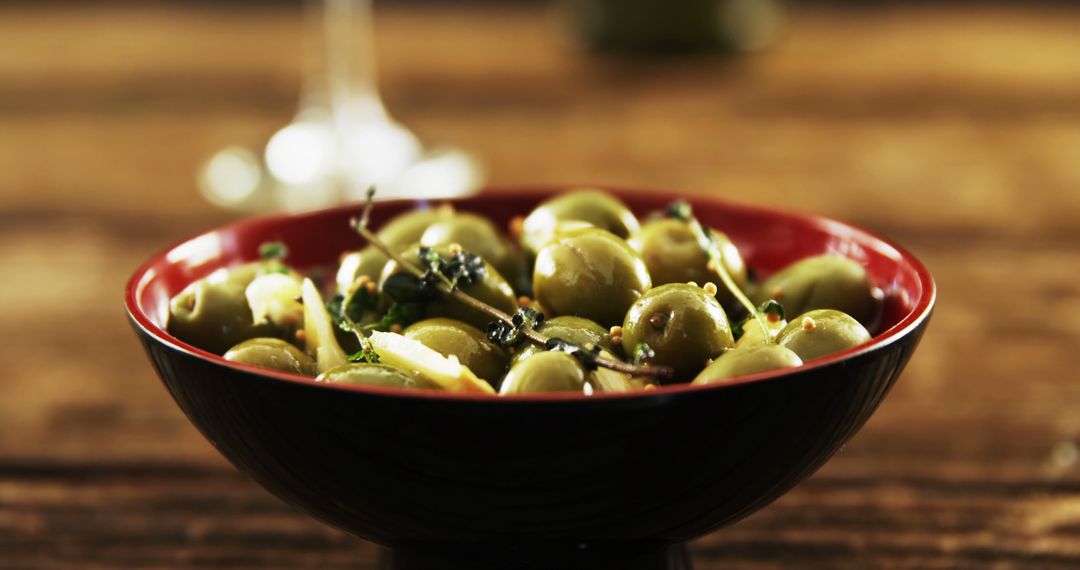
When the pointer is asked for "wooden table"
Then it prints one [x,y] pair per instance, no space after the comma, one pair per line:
[955,131]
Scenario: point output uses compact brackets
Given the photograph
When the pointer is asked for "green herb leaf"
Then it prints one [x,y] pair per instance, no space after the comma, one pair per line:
[642,353]
[365,354]
[680,210]
[586,355]
[401,314]
[738,329]
[772,307]
[405,287]
[272,250]
[510,334]
[460,269]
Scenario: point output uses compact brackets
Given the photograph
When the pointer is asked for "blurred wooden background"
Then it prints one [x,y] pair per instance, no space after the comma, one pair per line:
[953,129]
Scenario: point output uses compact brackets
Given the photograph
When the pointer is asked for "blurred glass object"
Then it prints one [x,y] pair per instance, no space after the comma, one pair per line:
[676,26]
[342,139]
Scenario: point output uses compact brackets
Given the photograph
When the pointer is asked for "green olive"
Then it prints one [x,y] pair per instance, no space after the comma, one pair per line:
[575,330]
[365,262]
[684,325]
[272,353]
[608,380]
[589,273]
[822,282]
[368,374]
[546,371]
[475,234]
[673,255]
[406,229]
[471,347]
[747,360]
[518,271]
[492,289]
[822,332]
[213,316]
[595,207]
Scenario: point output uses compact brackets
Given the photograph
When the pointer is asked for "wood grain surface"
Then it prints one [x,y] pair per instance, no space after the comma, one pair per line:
[953,130]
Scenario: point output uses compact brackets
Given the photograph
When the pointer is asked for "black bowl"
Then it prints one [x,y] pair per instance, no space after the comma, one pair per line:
[556,481]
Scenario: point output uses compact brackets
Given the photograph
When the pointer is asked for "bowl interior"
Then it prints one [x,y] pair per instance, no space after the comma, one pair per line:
[769,239]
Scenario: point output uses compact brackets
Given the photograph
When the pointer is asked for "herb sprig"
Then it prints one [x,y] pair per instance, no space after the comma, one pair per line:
[448,285]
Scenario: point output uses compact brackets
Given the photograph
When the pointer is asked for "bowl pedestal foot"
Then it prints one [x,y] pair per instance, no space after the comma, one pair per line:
[627,556]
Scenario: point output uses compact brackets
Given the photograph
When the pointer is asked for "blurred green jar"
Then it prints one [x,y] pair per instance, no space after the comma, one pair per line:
[661,26]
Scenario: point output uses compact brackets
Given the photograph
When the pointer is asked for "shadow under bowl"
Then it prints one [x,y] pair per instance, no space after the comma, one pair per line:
[545,481]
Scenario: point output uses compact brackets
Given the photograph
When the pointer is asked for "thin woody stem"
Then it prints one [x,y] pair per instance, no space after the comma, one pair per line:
[530,334]
[716,261]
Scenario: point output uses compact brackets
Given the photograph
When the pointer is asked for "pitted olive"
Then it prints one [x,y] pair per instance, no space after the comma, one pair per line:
[822,282]
[589,273]
[405,229]
[749,359]
[597,208]
[214,316]
[475,234]
[822,332]
[684,326]
[272,353]
[574,330]
[369,262]
[547,371]
[368,374]
[471,347]
[673,255]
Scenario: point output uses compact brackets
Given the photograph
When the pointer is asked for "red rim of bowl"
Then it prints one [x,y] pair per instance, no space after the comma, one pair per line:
[924,305]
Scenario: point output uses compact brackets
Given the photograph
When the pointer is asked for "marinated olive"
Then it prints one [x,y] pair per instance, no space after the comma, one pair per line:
[471,347]
[406,229]
[546,371]
[589,273]
[213,316]
[274,298]
[368,374]
[475,234]
[822,282]
[368,261]
[673,255]
[576,330]
[749,359]
[242,274]
[684,326]
[272,353]
[608,380]
[595,207]
[492,289]
[822,332]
